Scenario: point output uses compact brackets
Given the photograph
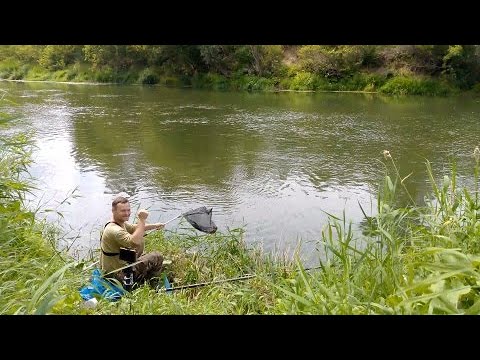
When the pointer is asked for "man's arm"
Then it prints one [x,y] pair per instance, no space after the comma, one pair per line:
[156,226]
[137,236]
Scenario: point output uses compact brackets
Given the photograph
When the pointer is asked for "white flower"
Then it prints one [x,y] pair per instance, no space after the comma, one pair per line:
[476,153]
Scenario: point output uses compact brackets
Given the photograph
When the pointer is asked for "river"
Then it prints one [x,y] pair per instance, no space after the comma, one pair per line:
[271,163]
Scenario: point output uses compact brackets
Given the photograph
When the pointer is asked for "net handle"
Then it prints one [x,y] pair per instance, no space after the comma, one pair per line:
[176,217]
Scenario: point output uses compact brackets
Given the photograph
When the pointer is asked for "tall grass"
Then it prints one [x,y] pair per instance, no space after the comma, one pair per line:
[206,259]
[29,266]
[413,260]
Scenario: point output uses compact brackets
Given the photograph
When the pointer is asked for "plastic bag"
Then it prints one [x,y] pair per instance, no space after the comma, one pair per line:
[99,287]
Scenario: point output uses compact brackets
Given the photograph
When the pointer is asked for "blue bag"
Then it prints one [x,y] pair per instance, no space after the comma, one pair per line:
[167,285]
[101,288]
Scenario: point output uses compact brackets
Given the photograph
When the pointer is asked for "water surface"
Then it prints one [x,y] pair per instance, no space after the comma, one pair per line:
[272,163]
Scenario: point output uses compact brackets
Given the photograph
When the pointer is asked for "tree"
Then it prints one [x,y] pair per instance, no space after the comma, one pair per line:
[57,57]
[461,65]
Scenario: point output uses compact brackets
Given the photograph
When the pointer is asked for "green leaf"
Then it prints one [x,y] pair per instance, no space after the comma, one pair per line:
[389,183]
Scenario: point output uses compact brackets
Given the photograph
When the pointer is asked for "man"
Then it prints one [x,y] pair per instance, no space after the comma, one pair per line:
[118,233]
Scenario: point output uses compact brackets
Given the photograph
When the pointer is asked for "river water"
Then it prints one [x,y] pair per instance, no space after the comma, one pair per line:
[271,163]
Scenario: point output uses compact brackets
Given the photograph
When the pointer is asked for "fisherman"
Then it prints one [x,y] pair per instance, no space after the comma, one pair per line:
[123,243]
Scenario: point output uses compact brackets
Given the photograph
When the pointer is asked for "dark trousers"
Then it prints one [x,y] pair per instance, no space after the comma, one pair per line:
[150,266]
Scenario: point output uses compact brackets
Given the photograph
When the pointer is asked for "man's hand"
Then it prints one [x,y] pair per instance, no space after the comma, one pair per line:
[142,214]
[160,226]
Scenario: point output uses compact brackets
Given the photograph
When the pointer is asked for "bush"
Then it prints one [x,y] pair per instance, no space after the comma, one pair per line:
[210,81]
[19,73]
[476,88]
[60,75]
[401,85]
[8,67]
[57,57]
[172,81]
[37,73]
[105,74]
[148,77]
[363,81]
[303,81]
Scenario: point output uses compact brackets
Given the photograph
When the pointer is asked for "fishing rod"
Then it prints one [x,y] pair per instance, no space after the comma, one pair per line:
[189,286]
[243,277]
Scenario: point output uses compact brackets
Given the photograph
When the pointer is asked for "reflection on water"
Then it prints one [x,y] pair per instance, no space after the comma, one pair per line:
[275,163]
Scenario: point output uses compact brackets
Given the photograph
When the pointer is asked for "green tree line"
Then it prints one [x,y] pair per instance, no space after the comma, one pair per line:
[394,69]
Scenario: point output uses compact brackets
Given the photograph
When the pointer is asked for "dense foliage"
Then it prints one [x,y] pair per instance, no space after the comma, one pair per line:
[394,69]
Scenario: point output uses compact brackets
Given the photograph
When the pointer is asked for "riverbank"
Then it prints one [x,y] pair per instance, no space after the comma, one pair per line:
[187,86]
[433,70]
[390,88]
[57,82]
[296,81]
